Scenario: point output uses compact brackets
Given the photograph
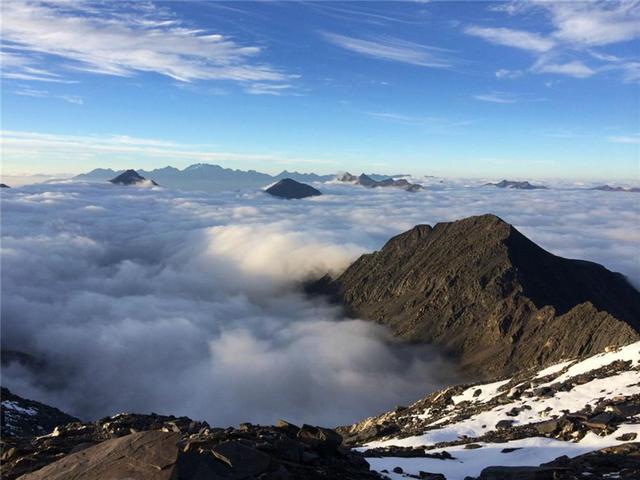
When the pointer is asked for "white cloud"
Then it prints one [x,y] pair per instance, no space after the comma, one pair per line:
[574,69]
[19,148]
[187,303]
[575,28]
[627,139]
[268,89]
[595,23]
[512,38]
[496,97]
[392,49]
[32,92]
[123,39]
[510,74]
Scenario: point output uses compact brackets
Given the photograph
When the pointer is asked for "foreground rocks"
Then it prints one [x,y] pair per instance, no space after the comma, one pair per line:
[487,295]
[177,448]
[621,462]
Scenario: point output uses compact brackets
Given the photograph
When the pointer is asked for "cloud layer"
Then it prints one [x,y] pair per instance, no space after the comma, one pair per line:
[145,299]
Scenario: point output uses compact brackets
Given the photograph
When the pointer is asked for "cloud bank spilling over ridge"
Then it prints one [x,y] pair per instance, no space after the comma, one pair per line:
[148,299]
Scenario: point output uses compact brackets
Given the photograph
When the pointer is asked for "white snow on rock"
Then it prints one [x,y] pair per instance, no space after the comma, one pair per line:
[10,405]
[472,419]
[558,367]
[487,392]
[533,451]
[628,353]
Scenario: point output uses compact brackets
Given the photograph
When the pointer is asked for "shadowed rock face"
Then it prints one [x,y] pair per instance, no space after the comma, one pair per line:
[4,185]
[129,177]
[290,189]
[26,418]
[517,185]
[489,296]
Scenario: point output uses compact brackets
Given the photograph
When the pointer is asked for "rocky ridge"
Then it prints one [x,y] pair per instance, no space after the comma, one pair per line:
[367,181]
[491,298]
[177,448]
[517,185]
[572,409]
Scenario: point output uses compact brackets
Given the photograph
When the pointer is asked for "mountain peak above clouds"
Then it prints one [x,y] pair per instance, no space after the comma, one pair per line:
[130,177]
[489,296]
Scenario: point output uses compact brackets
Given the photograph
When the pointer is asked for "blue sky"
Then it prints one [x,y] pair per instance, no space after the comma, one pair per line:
[510,89]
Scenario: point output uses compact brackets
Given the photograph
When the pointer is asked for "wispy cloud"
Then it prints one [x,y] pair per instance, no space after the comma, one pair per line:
[121,39]
[31,92]
[576,28]
[574,69]
[439,124]
[496,97]
[392,49]
[19,147]
[512,38]
[633,139]
[268,89]
[510,74]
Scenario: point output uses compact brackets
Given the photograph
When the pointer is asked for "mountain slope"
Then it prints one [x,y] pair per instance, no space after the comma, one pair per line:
[490,297]
[290,189]
[571,408]
[25,418]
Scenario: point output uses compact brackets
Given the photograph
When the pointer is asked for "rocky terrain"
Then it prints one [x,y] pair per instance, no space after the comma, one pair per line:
[609,188]
[131,177]
[165,447]
[578,418]
[290,189]
[25,418]
[367,181]
[516,185]
[491,298]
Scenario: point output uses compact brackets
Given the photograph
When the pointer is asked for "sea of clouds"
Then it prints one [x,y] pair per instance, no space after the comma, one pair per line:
[151,299]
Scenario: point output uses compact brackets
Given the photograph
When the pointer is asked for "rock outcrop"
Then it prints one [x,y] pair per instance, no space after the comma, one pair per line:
[517,185]
[609,188]
[487,295]
[290,189]
[366,181]
[131,177]
[177,448]
[26,418]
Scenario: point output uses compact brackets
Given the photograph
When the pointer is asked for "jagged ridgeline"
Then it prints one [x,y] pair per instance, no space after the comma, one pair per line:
[489,296]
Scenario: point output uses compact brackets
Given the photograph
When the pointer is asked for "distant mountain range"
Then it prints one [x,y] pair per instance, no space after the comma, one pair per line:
[214,178]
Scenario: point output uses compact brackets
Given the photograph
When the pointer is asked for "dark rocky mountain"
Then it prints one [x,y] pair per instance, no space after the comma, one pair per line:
[157,447]
[290,189]
[130,177]
[517,185]
[4,185]
[369,181]
[609,188]
[26,418]
[487,295]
